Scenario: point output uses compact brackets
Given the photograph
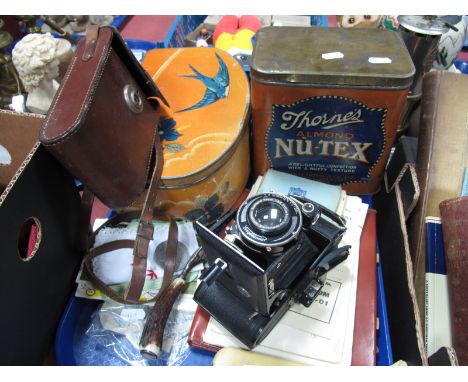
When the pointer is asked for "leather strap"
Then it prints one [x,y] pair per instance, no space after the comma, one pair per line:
[169,264]
[96,281]
[141,243]
[92,32]
[145,230]
[87,200]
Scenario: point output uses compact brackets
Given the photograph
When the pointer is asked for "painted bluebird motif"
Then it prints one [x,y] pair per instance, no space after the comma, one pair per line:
[167,130]
[216,87]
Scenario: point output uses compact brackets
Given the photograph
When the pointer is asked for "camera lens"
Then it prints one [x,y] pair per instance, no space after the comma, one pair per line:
[269,220]
[269,214]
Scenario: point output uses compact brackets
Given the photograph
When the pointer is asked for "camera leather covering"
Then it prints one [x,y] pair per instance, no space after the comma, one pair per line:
[249,331]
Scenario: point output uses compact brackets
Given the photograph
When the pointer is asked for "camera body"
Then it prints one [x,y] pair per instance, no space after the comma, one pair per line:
[276,252]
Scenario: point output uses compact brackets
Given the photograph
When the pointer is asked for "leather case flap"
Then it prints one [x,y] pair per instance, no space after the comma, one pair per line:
[79,92]
[101,125]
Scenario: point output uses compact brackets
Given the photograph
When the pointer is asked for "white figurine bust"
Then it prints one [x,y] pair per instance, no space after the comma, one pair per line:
[35,59]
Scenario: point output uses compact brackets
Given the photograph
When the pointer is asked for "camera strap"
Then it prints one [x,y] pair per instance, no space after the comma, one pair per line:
[169,262]
[140,244]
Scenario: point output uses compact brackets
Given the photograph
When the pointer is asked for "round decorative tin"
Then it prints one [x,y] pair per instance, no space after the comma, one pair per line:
[206,142]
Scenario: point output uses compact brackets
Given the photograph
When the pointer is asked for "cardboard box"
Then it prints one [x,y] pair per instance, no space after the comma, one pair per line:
[39,234]
[18,134]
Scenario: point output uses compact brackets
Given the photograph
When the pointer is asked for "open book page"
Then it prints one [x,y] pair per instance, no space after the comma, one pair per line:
[323,333]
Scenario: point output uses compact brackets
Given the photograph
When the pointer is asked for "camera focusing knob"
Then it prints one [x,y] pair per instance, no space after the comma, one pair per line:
[311,212]
[308,208]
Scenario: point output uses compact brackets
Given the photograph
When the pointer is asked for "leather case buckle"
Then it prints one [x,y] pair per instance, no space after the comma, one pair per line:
[145,230]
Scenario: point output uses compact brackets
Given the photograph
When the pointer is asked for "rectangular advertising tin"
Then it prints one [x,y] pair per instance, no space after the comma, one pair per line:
[326,102]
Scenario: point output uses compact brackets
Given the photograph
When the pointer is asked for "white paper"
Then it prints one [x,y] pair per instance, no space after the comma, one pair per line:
[5,157]
[132,314]
[115,268]
[438,320]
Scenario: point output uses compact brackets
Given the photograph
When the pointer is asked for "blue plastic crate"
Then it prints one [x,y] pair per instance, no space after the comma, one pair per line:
[78,313]
[462,66]
[76,320]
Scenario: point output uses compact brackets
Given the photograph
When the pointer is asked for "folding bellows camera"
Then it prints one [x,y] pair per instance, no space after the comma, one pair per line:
[276,252]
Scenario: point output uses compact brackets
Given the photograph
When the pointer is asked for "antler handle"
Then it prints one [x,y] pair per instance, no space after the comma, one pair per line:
[152,336]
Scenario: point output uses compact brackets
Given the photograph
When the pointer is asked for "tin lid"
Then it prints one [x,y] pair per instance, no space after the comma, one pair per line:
[208,93]
[428,25]
[331,57]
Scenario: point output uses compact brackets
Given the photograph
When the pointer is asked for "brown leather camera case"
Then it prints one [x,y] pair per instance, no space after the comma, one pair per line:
[101,125]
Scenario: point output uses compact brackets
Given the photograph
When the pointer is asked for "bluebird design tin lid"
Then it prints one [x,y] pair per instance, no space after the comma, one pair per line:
[331,57]
[208,95]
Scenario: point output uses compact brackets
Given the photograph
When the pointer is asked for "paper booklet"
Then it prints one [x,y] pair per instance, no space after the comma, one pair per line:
[115,269]
[323,333]
[330,196]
